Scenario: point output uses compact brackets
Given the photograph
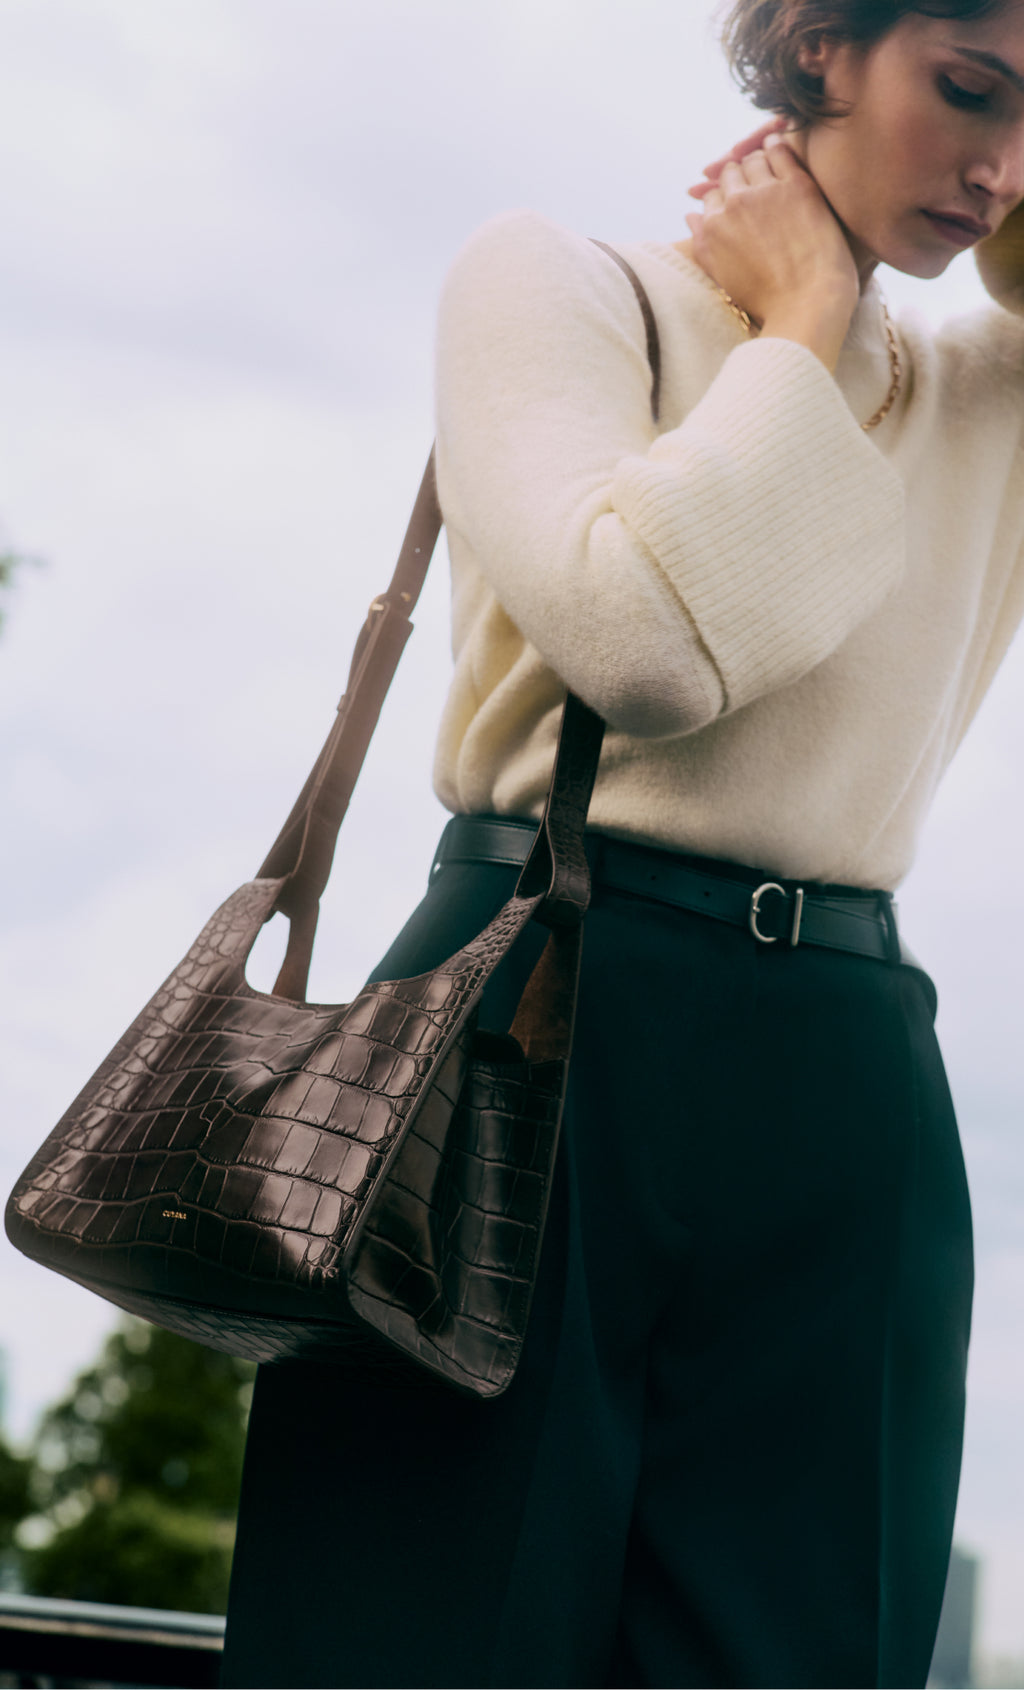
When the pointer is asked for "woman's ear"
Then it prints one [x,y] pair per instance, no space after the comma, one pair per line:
[811,56]
[1000,262]
[817,52]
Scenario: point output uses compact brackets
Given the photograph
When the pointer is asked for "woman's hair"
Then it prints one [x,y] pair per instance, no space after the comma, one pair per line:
[762,41]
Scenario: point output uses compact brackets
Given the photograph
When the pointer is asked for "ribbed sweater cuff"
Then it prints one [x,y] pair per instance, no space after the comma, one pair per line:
[777,521]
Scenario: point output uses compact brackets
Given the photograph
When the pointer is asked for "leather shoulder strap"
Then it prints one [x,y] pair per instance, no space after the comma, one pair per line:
[303,852]
[650,323]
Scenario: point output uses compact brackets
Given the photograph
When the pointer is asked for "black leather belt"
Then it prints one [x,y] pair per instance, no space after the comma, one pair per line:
[773,910]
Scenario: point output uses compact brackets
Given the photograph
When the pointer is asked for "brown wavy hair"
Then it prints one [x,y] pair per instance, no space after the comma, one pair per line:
[762,41]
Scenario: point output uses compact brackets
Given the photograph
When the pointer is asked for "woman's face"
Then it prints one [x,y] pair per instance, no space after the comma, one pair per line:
[936,126]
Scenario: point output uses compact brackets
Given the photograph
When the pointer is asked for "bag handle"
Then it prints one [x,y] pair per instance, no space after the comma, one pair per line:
[303,852]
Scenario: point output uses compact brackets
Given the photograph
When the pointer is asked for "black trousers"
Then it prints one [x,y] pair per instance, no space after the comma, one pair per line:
[731,1453]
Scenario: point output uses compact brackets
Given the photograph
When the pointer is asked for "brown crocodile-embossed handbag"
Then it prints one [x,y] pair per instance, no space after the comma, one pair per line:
[364,1182]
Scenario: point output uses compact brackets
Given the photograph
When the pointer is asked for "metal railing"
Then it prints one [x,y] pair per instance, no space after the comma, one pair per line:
[48,1642]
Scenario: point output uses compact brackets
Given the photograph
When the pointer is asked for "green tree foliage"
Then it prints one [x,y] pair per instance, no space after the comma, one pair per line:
[15,1503]
[10,563]
[15,1494]
[136,1476]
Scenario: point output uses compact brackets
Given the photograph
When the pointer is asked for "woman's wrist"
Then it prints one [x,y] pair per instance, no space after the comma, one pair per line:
[818,321]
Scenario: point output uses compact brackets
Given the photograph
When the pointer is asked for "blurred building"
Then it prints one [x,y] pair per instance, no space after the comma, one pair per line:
[953,1660]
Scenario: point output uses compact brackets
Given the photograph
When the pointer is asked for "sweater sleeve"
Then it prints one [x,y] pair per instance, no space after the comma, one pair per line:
[666,578]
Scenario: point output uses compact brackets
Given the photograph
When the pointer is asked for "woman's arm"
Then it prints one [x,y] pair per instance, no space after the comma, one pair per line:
[664,578]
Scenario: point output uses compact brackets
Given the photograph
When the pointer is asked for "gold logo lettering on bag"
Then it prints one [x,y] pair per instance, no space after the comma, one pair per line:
[175,1215]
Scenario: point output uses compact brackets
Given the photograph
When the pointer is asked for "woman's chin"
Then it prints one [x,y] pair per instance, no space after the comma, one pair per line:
[909,245]
[927,271]
[926,264]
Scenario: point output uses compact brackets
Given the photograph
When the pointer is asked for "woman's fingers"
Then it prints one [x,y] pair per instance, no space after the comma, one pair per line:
[751,170]
[771,139]
[750,144]
[782,158]
[754,167]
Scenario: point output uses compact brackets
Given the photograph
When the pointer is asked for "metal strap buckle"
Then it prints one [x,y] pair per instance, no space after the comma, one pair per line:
[755,911]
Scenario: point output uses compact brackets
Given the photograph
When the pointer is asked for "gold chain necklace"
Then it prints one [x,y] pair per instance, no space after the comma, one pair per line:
[895,366]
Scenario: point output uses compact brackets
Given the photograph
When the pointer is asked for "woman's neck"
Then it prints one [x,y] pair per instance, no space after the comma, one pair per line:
[864,259]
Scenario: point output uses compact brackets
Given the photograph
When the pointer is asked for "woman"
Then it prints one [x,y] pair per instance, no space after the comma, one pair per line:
[731,1454]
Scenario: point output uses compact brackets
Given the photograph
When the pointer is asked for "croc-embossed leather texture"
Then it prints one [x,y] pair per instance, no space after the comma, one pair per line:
[235,1148]
[365,1182]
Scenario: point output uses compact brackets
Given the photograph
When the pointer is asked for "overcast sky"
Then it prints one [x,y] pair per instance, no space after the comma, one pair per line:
[226,223]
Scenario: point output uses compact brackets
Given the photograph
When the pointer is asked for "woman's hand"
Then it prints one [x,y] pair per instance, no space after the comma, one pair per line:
[1000,261]
[768,236]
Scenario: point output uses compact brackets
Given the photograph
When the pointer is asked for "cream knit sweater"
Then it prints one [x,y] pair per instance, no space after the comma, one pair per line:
[787,623]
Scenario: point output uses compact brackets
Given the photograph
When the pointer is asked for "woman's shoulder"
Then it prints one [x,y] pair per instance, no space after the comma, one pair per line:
[978,358]
[517,248]
[976,334]
[533,309]
[522,257]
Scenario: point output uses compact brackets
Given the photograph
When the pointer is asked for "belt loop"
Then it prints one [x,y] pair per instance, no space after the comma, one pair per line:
[888,907]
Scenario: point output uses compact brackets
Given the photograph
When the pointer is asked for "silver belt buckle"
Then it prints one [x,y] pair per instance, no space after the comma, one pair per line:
[755,911]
